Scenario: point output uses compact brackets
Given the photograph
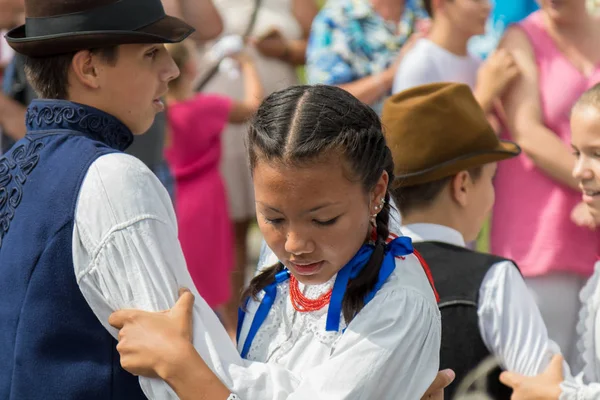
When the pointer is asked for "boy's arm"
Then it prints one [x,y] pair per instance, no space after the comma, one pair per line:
[511,324]
[126,255]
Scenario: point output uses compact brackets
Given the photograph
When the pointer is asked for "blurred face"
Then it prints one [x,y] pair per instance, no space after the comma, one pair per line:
[585,139]
[477,199]
[12,13]
[132,88]
[470,15]
[563,11]
[313,217]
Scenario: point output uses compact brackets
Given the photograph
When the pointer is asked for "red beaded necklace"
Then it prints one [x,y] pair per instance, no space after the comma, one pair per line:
[302,303]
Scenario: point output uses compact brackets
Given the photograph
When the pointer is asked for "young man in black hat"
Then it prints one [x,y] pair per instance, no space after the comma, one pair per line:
[84,228]
[445,154]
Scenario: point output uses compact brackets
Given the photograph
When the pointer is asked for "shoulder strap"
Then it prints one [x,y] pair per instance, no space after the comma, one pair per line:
[213,71]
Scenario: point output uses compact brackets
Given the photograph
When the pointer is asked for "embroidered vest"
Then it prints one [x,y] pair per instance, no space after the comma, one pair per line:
[458,274]
[52,346]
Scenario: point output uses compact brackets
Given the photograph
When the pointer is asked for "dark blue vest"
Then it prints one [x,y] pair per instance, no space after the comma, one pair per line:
[52,346]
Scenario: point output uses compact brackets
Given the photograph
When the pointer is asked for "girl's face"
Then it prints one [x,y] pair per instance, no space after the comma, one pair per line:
[314,217]
[585,139]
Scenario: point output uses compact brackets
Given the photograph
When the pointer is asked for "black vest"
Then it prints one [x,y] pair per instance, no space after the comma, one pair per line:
[457,274]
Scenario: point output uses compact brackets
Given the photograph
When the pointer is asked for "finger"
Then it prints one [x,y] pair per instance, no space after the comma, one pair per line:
[510,379]
[555,368]
[119,318]
[441,381]
[184,306]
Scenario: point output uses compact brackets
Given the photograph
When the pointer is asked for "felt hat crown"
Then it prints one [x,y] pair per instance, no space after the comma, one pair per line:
[437,130]
[62,26]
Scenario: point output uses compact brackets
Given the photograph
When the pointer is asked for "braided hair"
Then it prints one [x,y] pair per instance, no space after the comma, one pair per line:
[302,123]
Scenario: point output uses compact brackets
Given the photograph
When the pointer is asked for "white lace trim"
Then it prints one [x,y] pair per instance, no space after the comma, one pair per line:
[586,327]
[284,325]
[233,397]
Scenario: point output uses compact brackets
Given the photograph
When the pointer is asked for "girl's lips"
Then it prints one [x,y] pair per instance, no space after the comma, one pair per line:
[307,269]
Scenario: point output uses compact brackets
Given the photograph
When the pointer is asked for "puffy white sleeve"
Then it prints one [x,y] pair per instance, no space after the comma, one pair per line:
[510,322]
[126,255]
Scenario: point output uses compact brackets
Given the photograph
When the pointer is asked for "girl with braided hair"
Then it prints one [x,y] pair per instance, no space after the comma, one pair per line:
[345,313]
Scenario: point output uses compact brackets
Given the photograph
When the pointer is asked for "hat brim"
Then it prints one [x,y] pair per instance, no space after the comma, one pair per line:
[505,150]
[166,30]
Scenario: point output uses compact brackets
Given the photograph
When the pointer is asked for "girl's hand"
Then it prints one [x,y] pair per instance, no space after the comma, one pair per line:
[152,344]
[545,386]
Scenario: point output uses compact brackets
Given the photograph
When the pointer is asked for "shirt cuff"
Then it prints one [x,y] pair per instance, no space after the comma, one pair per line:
[573,391]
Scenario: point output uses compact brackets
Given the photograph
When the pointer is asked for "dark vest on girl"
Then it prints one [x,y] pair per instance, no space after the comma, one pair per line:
[458,274]
[52,346]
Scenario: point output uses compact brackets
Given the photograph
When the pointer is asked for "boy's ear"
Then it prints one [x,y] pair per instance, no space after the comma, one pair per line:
[459,188]
[85,67]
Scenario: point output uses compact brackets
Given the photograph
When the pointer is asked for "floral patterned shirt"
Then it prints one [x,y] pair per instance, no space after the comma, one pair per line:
[349,40]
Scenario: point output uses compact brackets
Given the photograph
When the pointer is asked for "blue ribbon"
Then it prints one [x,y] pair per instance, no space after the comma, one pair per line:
[400,246]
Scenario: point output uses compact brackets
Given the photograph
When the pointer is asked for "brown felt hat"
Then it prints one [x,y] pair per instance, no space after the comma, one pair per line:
[437,130]
[55,27]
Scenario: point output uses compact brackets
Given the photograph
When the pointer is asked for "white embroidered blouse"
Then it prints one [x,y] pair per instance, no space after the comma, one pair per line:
[389,351]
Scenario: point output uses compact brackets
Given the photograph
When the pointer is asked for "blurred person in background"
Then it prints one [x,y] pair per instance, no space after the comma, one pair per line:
[443,55]
[15,93]
[276,33]
[504,13]
[196,125]
[356,44]
[549,232]
[149,147]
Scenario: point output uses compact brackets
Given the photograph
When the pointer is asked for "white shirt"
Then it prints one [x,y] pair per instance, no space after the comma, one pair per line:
[510,322]
[427,63]
[586,386]
[390,350]
[126,255]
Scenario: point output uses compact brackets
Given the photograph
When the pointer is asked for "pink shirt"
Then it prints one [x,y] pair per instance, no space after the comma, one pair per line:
[531,221]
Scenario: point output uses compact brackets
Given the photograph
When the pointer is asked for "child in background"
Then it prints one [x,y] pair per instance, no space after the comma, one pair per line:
[443,55]
[196,121]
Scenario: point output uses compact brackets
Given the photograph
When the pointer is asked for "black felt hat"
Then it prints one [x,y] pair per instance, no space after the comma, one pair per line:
[62,26]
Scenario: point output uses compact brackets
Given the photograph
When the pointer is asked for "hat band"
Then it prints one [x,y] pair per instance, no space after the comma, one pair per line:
[123,15]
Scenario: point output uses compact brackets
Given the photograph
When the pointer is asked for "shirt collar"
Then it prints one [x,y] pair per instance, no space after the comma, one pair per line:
[433,233]
[44,115]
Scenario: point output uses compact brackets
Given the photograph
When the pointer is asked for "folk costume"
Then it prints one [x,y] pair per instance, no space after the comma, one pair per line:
[390,350]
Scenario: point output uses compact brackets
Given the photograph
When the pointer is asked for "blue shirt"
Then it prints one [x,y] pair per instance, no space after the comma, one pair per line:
[349,40]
